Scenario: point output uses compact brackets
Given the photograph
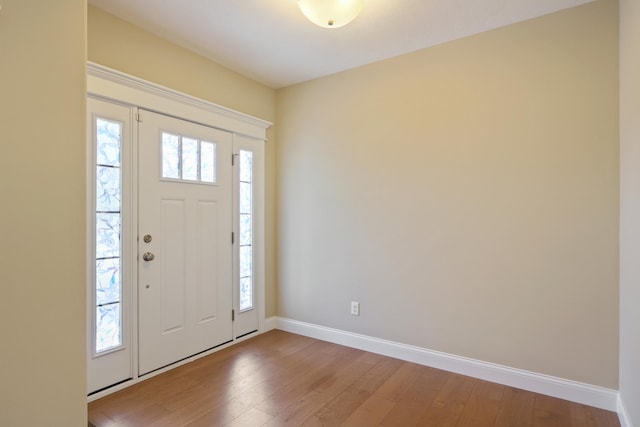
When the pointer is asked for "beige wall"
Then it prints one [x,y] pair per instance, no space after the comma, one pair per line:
[119,45]
[42,183]
[466,195]
[630,207]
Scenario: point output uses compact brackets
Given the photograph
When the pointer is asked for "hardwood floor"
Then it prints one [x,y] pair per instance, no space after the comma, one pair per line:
[282,379]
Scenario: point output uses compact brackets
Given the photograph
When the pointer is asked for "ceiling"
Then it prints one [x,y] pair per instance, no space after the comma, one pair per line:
[272,42]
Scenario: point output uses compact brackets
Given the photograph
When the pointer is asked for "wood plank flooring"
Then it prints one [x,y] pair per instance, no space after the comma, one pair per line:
[282,379]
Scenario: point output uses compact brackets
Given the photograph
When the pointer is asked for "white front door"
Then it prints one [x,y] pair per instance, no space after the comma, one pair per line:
[184,239]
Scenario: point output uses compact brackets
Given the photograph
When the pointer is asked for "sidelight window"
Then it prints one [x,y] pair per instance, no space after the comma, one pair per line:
[108,219]
[246,230]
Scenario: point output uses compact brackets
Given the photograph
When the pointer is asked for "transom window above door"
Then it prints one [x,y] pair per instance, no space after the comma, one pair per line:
[188,159]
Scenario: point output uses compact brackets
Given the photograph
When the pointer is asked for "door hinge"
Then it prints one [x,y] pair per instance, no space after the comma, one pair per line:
[138,118]
[233,315]
[233,237]
[233,159]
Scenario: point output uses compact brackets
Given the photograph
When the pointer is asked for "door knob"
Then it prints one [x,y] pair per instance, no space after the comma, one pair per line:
[148,256]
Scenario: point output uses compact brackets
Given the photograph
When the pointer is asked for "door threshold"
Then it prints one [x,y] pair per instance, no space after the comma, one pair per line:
[138,379]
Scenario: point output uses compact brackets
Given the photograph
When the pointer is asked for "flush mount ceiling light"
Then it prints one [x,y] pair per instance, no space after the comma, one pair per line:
[330,13]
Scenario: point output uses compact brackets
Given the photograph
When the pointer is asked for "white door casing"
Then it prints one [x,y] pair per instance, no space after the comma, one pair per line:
[184,292]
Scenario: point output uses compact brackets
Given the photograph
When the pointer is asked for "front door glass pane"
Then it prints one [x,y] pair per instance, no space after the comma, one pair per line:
[188,159]
[170,156]
[207,161]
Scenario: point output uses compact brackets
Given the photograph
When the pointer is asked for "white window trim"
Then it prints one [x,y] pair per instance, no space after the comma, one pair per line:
[115,86]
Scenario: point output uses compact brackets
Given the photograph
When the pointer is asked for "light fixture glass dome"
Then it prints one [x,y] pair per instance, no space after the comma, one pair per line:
[330,13]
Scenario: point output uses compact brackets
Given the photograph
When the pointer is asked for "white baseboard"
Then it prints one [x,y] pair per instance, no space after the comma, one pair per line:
[269,324]
[623,415]
[574,391]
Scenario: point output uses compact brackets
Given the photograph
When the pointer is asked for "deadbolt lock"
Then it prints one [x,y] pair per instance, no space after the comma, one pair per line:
[147,238]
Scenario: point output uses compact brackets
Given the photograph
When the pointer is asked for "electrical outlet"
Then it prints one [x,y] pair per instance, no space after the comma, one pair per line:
[355,308]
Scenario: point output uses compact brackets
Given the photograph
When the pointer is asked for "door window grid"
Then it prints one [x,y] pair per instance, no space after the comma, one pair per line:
[246,230]
[188,159]
[108,218]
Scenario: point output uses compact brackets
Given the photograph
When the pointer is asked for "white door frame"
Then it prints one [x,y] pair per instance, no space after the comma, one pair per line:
[111,85]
